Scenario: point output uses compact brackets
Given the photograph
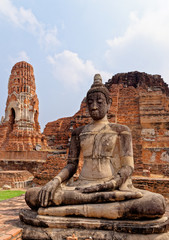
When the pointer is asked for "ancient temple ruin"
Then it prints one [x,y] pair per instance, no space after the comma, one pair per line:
[103,195]
[20,130]
[22,145]
[140,101]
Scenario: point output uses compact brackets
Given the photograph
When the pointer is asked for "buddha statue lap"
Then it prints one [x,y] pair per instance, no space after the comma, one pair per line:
[104,188]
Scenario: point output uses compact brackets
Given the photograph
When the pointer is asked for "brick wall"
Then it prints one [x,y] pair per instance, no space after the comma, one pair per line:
[158,185]
[23,160]
[54,164]
[15,179]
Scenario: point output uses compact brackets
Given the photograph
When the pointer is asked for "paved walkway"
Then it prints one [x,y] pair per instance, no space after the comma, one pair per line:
[10,227]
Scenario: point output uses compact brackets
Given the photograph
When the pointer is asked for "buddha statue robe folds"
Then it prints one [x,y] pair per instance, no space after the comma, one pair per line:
[104,188]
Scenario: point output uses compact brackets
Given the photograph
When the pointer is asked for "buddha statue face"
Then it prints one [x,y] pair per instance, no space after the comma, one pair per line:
[97,105]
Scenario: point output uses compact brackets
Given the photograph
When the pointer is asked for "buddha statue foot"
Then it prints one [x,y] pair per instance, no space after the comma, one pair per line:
[57,228]
[150,205]
[67,197]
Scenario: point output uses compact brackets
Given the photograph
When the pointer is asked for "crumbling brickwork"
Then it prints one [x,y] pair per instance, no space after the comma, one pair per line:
[15,179]
[22,160]
[58,133]
[20,130]
[140,101]
[153,184]
[55,163]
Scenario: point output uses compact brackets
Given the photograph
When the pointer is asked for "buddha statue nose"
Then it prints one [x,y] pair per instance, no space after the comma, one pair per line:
[94,105]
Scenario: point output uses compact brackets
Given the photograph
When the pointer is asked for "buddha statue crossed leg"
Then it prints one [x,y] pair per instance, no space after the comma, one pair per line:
[104,188]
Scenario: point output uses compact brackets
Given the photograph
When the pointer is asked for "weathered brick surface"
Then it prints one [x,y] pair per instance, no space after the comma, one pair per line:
[55,163]
[23,160]
[58,132]
[158,185]
[140,101]
[12,178]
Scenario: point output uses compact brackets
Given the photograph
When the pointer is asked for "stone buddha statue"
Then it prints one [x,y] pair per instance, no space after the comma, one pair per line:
[104,188]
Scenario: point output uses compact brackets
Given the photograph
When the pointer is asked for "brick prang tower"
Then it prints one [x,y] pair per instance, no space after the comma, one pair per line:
[20,129]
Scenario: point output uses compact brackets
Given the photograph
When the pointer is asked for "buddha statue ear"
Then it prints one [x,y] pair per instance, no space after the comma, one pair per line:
[109,103]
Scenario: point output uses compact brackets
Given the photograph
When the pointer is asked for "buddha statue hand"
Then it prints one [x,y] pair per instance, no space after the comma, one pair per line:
[110,185]
[46,193]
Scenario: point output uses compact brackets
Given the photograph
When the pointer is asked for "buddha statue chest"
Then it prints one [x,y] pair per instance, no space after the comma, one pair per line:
[99,148]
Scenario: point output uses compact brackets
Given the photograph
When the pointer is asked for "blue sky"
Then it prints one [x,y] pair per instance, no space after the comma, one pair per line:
[68,41]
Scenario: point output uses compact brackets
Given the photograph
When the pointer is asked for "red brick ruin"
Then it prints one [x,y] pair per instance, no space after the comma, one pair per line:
[20,130]
[139,100]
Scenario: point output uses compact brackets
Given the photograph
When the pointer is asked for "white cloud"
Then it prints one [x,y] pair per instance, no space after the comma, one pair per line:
[144,46]
[74,72]
[26,20]
[22,56]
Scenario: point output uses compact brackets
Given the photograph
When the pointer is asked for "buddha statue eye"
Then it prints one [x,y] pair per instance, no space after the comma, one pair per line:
[99,100]
[90,101]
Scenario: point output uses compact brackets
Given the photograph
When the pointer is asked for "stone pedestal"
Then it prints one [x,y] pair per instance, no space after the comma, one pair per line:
[58,228]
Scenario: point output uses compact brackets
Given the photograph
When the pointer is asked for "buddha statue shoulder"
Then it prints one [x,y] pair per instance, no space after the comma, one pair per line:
[104,188]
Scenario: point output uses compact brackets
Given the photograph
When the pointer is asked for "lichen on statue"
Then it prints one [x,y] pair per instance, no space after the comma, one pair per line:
[104,188]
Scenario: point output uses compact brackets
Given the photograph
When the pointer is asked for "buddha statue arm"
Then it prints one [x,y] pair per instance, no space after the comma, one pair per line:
[126,156]
[47,191]
[73,157]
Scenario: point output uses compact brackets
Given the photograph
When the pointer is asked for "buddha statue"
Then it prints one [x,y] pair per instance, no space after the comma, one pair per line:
[104,188]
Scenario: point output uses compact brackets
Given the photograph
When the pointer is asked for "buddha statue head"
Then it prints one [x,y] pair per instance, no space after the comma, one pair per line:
[98,99]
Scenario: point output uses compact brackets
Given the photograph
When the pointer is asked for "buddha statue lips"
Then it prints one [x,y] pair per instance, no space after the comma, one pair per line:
[95,111]
[104,186]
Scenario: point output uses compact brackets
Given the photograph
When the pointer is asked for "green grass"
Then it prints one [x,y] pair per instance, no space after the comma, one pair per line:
[6,194]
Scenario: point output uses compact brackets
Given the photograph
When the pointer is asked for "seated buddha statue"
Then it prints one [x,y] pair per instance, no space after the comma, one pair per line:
[104,188]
